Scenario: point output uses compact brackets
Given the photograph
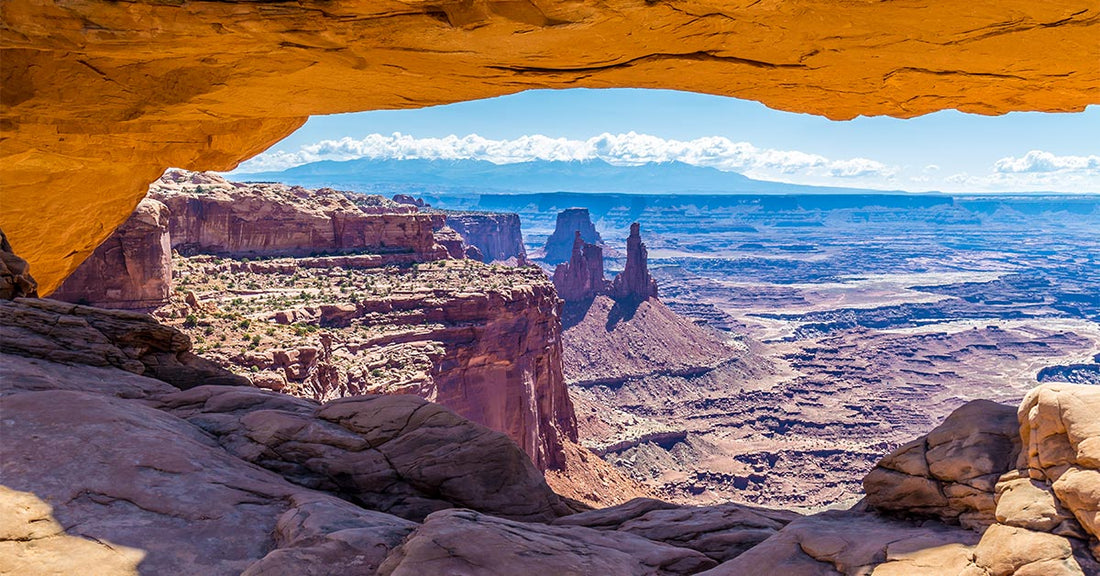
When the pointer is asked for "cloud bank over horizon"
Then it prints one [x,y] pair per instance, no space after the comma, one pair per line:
[1035,170]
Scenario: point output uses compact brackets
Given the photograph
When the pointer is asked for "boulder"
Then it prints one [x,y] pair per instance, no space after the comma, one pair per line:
[15,278]
[854,542]
[951,473]
[396,454]
[1012,551]
[721,532]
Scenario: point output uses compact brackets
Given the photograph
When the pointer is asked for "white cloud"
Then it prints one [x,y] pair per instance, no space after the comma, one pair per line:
[1038,161]
[620,149]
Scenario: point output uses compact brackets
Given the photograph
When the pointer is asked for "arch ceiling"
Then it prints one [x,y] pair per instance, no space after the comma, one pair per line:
[98,98]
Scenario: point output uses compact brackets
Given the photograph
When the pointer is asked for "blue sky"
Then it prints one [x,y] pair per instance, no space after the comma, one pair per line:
[948,151]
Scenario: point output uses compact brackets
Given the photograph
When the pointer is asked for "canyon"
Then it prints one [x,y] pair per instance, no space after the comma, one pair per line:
[127,451]
[814,366]
[311,341]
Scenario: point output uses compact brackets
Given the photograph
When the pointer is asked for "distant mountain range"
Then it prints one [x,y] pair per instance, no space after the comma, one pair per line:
[389,176]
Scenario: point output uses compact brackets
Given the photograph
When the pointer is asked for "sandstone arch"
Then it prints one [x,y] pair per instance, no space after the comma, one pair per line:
[99,98]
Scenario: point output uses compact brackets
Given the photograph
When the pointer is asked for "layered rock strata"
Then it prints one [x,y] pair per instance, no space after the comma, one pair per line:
[132,269]
[214,216]
[61,332]
[559,246]
[483,341]
[496,237]
[581,278]
[634,284]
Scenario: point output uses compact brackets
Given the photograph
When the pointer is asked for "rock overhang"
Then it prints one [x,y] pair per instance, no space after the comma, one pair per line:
[99,98]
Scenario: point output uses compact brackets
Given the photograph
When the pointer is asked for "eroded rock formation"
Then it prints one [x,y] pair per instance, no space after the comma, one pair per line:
[15,278]
[90,336]
[634,284]
[132,269]
[154,85]
[559,246]
[581,278]
[223,480]
[214,216]
[497,237]
[484,341]
[951,472]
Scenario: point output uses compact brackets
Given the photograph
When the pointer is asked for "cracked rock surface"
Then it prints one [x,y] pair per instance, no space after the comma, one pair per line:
[115,92]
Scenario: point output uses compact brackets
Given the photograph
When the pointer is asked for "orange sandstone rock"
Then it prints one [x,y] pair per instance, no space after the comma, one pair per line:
[114,93]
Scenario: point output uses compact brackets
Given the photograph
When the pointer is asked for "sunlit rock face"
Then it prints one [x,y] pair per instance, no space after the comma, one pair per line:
[114,93]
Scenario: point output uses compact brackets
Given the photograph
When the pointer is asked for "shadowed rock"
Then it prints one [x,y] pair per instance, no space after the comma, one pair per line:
[75,334]
[465,542]
[132,269]
[559,246]
[634,284]
[15,278]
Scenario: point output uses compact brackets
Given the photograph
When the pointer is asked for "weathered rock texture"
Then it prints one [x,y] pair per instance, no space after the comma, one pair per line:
[132,269]
[950,473]
[1030,479]
[15,278]
[214,216]
[473,543]
[115,93]
[484,341]
[497,237]
[224,480]
[69,333]
[634,284]
[559,246]
[581,278]
[498,361]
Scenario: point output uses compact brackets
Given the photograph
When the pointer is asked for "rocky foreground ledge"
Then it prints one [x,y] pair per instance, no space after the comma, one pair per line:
[109,469]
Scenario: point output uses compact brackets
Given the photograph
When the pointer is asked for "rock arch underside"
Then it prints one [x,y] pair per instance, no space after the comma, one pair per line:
[100,97]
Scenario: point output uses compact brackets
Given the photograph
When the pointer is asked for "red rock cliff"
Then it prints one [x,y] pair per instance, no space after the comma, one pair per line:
[212,215]
[634,283]
[484,341]
[496,236]
[582,277]
[559,246]
[132,269]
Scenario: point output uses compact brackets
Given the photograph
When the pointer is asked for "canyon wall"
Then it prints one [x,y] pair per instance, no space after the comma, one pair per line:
[581,278]
[485,341]
[559,246]
[209,214]
[132,269]
[497,237]
[500,362]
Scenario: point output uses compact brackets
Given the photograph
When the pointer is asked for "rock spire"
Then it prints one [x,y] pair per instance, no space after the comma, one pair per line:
[634,283]
[581,278]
